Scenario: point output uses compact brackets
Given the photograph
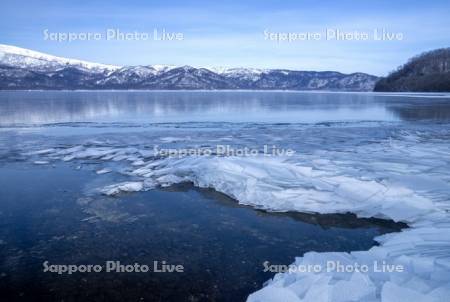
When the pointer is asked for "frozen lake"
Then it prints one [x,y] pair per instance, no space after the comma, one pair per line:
[81,181]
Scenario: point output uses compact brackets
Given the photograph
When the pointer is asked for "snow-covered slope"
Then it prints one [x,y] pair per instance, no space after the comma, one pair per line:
[13,56]
[250,74]
[27,69]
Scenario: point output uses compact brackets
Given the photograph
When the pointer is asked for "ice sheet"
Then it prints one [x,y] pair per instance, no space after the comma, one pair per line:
[403,176]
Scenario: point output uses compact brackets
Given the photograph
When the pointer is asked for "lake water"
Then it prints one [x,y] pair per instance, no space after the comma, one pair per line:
[140,107]
[80,183]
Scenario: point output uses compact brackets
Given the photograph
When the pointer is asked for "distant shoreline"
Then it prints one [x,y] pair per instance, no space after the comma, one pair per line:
[375,93]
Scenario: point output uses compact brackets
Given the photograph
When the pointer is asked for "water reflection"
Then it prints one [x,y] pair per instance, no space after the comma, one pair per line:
[214,106]
[436,111]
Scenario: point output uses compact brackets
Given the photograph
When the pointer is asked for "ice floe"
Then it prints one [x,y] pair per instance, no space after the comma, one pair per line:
[128,186]
[41,162]
[103,171]
[404,178]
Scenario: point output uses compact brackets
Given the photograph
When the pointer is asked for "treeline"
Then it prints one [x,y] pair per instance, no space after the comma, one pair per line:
[427,72]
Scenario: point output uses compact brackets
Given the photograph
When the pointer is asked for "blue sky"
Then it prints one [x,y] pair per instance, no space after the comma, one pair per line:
[231,34]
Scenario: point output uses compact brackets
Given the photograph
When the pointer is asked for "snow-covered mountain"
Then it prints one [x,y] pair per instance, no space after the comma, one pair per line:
[27,69]
[17,57]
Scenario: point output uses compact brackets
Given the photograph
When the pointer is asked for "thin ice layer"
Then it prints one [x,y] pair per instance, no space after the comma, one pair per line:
[404,178]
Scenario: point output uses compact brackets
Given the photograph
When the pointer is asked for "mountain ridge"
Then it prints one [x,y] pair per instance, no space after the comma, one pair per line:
[27,69]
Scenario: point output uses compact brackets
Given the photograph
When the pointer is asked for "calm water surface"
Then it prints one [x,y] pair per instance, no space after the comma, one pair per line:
[208,106]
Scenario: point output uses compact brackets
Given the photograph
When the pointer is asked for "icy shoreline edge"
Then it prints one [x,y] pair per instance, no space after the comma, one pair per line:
[279,184]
